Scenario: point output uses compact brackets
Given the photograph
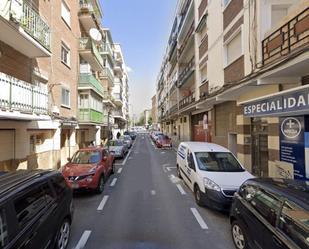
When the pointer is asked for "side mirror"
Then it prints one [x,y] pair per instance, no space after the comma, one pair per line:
[104,158]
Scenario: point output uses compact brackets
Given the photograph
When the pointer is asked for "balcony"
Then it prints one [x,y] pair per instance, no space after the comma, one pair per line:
[173,109]
[118,68]
[90,14]
[289,39]
[187,39]
[105,120]
[89,52]
[186,72]
[108,99]
[204,89]
[202,7]
[106,50]
[107,74]
[88,115]
[21,96]
[88,81]
[184,13]
[203,48]
[24,29]
[186,101]
[118,99]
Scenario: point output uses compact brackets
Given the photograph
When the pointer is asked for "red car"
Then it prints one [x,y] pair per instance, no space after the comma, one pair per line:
[163,141]
[89,168]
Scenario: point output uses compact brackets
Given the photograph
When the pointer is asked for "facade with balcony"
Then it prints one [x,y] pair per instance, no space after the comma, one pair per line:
[250,79]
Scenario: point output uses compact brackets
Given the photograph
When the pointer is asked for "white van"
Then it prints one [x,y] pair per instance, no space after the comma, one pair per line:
[212,172]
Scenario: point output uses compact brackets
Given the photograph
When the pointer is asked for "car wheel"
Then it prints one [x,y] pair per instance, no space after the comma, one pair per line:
[100,187]
[178,172]
[198,196]
[63,235]
[239,235]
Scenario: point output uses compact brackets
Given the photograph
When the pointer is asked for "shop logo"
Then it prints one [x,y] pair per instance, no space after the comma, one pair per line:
[291,127]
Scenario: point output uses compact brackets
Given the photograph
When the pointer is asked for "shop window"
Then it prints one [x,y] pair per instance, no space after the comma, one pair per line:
[294,223]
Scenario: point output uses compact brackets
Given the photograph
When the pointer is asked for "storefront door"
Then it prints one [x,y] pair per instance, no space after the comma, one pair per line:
[259,147]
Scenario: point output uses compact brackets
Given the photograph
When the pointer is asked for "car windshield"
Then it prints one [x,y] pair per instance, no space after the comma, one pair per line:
[86,157]
[116,143]
[218,162]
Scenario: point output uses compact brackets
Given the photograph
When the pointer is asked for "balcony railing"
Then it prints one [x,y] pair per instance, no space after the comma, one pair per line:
[35,26]
[90,115]
[88,80]
[186,101]
[86,43]
[187,38]
[22,96]
[203,48]
[173,109]
[118,113]
[184,13]
[204,89]
[106,48]
[186,72]
[86,5]
[107,73]
[202,7]
[289,38]
[117,96]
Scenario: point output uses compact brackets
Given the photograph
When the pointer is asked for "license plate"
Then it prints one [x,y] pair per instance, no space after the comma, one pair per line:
[75,185]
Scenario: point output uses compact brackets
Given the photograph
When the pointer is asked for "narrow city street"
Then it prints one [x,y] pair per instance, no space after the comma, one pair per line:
[144,205]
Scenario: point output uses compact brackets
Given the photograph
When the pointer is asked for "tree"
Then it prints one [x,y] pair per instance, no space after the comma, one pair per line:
[150,120]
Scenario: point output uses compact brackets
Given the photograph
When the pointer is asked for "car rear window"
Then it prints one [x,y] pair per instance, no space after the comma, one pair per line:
[59,185]
[3,229]
[294,223]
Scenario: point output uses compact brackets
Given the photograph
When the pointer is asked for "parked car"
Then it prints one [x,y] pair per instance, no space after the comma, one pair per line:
[89,168]
[36,210]
[163,141]
[154,135]
[271,213]
[127,139]
[118,147]
[212,172]
[132,134]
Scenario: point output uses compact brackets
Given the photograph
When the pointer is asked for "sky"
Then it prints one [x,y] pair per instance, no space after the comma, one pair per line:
[142,28]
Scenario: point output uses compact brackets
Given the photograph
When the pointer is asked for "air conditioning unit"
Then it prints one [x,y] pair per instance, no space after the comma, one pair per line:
[55,110]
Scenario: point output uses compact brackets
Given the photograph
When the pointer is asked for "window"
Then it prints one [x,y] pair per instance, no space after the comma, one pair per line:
[226,2]
[65,54]
[65,97]
[217,162]
[83,101]
[59,186]
[233,49]
[264,203]
[294,222]
[29,205]
[86,157]
[3,230]
[65,13]
[49,196]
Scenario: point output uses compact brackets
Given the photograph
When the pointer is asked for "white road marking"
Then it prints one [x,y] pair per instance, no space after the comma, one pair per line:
[166,165]
[172,176]
[102,203]
[199,218]
[153,192]
[162,152]
[181,190]
[119,170]
[113,182]
[83,240]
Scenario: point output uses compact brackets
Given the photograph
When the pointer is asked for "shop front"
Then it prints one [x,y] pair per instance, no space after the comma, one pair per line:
[289,135]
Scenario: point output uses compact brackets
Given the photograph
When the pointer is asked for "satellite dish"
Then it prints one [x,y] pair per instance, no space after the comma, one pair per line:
[95,34]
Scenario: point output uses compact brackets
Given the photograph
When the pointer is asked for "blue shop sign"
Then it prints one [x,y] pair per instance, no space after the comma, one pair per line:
[281,104]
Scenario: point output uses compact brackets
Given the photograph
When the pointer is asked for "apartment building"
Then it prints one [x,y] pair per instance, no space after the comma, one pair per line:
[154,112]
[246,86]
[57,75]
[38,74]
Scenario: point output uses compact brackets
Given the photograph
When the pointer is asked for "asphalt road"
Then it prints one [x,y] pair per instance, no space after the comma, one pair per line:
[144,205]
